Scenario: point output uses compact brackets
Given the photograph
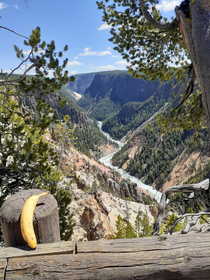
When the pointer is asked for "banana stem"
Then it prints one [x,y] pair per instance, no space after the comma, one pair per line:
[42,194]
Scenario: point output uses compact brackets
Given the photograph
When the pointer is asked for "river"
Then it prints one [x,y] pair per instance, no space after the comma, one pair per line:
[107,162]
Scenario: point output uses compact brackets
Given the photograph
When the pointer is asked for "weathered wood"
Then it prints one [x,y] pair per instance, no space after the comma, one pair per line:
[202,186]
[167,257]
[3,265]
[67,247]
[46,220]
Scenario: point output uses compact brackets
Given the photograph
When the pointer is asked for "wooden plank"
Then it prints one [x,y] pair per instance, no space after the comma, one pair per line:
[169,242]
[42,249]
[180,265]
[3,265]
[176,257]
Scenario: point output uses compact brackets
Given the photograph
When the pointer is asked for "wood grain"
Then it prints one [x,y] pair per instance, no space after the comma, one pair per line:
[46,219]
[41,249]
[3,265]
[161,257]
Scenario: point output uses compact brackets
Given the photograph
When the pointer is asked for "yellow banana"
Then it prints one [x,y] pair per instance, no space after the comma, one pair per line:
[26,220]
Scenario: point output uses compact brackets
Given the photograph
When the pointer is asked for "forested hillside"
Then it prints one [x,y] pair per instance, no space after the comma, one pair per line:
[119,100]
[110,90]
[154,156]
[87,137]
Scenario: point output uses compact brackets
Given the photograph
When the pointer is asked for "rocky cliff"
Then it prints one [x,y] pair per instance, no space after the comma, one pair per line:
[99,195]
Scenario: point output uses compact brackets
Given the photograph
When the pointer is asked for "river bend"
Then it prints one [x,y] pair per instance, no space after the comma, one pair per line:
[107,162]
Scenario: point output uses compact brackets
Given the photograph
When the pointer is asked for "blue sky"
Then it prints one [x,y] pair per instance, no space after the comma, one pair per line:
[77,23]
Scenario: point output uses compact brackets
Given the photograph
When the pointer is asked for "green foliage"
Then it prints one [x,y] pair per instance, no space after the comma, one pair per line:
[202,174]
[204,219]
[129,231]
[89,139]
[158,154]
[155,53]
[131,116]
[27,161]
[43,58]
[189,116]
[170,222]
[120,225]
[124,229]
[159,51]
[142,226]
[63,136]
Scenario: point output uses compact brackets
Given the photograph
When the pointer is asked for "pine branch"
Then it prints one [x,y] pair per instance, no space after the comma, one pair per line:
[14,32]
[153,22]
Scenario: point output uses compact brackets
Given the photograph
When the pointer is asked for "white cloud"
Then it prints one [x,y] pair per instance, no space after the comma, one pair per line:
[158,6]
[73,72]
[104,68]
[122,63]
[167,6]
[119,65]
[3,6]
[87,51]
[114,56]
[104,26]
[16,7]
[28,52]
[73,63]
[104,53]
[76,57]
[109,48]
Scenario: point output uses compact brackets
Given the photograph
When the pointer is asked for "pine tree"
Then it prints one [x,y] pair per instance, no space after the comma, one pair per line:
[170,222]
[120,225]
[129,231]
[64,137]
[142,225]
[27,161]
[156,48]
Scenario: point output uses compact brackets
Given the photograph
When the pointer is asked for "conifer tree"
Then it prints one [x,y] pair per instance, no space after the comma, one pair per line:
[64,136]
[129,231]
[142,225]
[27,161]
[157,48]
[170,222]
[120,225]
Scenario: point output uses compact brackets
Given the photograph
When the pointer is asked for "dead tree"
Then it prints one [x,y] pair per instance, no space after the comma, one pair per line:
[199,192]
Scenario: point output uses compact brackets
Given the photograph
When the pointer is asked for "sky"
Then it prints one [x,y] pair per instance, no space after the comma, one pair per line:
[76,23]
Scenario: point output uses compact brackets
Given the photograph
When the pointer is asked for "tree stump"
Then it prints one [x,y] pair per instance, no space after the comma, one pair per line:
[46,219]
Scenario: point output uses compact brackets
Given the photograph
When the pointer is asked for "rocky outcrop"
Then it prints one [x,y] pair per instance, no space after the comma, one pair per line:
[76,116]
[98,196]
[91,221]
[154,210]
[123,189]
[95,214]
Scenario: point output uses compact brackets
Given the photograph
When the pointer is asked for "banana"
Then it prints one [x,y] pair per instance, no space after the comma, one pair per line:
[26,220]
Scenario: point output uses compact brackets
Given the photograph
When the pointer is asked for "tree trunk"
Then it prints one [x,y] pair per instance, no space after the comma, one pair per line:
[46,220]
[196,34]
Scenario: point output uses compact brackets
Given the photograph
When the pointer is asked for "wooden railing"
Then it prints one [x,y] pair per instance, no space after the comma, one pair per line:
[157,258]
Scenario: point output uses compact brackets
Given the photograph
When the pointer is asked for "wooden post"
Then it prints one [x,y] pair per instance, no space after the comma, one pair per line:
[177,257]
[46,219]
